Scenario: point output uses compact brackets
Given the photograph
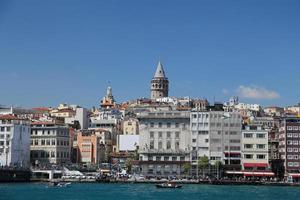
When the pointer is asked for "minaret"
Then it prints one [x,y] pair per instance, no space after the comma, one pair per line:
[159,83]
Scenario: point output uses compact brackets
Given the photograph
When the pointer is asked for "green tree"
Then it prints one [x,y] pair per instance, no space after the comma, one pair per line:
[187,168]
[128,165]
[218,165]
[203,163]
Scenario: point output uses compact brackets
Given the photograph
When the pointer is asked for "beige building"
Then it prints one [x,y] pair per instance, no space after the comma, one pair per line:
[50,143]
[130,127]
[254,149]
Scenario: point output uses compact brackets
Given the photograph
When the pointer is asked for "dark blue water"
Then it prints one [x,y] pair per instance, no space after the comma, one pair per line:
[144,191]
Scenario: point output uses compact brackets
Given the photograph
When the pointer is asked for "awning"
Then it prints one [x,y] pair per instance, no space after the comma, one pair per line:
[255,164]
[259,174]
[255,173]
[234,172]
[295,175]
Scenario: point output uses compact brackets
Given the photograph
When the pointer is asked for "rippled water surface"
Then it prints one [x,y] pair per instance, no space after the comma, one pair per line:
[35,191]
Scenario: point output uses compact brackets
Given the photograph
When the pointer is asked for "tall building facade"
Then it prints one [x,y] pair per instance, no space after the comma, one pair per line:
[289,144]
[217,135]
[255,149]
[50,143]
[164,142]
[14,141]
[159,83]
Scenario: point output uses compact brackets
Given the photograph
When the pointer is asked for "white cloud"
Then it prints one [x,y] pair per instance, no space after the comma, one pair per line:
[256,92]
[225,91]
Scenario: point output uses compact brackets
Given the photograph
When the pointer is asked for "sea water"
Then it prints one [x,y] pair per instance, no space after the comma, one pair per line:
[93,191]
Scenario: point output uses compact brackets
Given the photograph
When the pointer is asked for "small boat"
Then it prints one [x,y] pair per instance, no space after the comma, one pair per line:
[168,185]
[59,184]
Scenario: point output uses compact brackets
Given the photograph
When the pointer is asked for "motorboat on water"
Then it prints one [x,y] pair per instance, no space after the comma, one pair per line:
[168,185]
[59,184]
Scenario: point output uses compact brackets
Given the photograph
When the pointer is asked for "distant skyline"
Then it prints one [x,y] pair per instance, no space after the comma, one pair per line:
[68,51]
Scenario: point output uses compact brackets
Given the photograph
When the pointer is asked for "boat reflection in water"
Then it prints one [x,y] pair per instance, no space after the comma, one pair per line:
[168,185]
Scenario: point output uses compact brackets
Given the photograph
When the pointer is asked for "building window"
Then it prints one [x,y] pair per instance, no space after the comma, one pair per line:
[168,125]
[160,135]
[168,144]
[260,156]
[248,146]
[151,135]
[177,125]
[168,134]
[159,145]
[43,142]
[158,158]
[2,129]
[159,124]
[194,140]
[260,135]
[151,124]
[166,158]
[8,129]
[260,146]
[177,145]
[248,135]
[152,144]
[177,135]
[248,156]
[174,158]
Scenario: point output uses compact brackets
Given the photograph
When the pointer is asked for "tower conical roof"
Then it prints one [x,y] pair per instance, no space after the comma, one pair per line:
[160,73]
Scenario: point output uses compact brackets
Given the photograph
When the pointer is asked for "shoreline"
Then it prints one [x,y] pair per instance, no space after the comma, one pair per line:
[194,182]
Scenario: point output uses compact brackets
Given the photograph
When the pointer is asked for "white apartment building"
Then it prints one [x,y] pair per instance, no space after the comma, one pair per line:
[14,141]
[164,142]
[217,135]
[255,149]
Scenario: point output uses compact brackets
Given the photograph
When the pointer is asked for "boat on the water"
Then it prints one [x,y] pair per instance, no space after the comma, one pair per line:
[168,185]
[59,184]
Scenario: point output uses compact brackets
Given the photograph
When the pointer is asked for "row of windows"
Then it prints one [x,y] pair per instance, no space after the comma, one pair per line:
[167,125]
[3,129]
[51,154]
[293,135]
[49,142]
[293,150]
[293,128]
[167,145]
[165,158]
[3,142]
[293,142]
[258,146]
[2,136]
[49,132]
[293,164]
[257,135]
[167,134]
[258,156]
[293,157]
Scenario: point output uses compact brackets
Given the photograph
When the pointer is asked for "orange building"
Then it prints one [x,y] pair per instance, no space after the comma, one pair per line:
[94,146]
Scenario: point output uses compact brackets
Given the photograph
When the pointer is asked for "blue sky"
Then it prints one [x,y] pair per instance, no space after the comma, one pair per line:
[68,50]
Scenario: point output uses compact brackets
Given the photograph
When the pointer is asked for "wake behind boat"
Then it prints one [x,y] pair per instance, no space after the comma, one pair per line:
[168,185]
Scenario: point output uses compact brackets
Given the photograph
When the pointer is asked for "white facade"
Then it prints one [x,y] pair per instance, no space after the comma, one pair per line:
[254,148]
[127,142]
[164,142]
[81,116]
[14,141]
[217,135]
